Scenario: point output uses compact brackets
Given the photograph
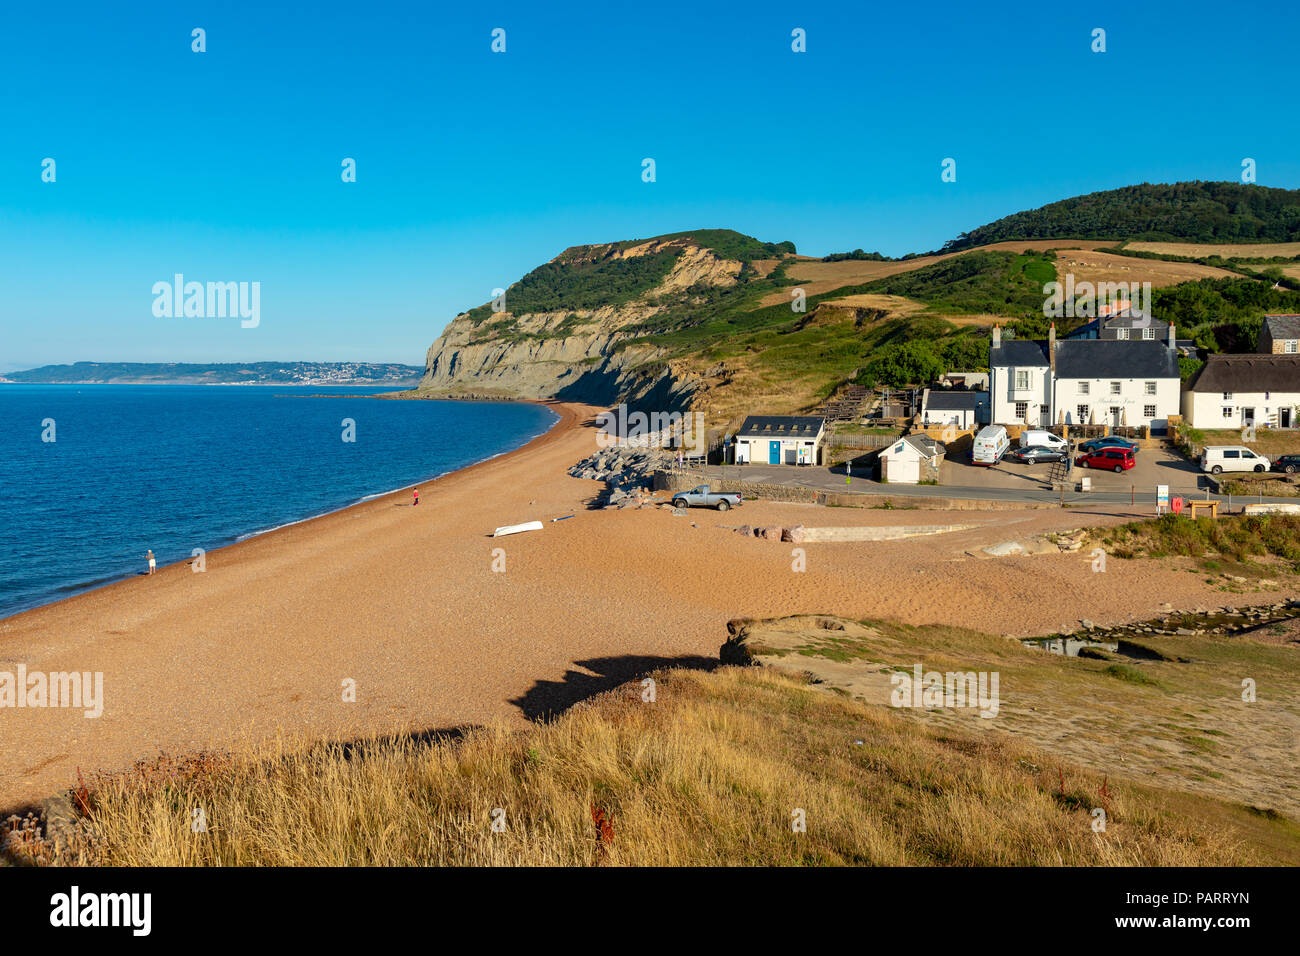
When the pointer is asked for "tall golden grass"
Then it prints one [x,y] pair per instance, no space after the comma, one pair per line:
[711,773]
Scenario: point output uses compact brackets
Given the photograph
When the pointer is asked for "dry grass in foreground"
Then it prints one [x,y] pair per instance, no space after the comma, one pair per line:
[708,774]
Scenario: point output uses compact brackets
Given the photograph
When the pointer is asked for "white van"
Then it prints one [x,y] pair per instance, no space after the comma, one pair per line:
[1217,459]
[990,444]
[1037,436]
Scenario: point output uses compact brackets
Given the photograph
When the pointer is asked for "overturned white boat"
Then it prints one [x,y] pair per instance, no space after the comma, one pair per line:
[516,528]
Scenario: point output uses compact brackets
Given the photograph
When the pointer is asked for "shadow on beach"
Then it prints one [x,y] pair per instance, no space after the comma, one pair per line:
[546,699]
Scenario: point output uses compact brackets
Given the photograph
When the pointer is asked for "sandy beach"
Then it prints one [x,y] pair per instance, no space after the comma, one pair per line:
[405,602]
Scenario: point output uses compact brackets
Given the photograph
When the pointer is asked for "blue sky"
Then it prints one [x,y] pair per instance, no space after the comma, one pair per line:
[474,167]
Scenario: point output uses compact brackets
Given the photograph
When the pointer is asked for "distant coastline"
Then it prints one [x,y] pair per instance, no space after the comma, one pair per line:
[321,374]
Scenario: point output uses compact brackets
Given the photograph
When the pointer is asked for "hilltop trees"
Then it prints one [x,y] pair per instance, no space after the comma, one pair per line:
[1192,211]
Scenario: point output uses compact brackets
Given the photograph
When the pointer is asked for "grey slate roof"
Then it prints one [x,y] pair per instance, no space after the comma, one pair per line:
[1115,358]
[1019,352]
[924,445]
[1093,358]
[1283,326]
[1249,372]
[952,400]
[781,426]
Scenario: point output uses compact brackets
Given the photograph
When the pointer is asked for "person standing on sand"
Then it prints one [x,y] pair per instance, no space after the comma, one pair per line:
[416,492]
[151,562]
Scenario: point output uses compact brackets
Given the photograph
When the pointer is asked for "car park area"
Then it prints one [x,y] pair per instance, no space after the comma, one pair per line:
[1156,463]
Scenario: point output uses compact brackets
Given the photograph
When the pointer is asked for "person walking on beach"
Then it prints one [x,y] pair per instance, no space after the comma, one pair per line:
[416,492]
[152,565]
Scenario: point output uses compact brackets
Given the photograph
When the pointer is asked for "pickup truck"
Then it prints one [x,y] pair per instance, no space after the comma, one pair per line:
[702,497]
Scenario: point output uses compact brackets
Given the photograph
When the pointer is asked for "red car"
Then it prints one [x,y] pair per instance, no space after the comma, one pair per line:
[1112,459]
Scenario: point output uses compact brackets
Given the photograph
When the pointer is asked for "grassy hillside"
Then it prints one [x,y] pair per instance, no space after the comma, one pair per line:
[711,773]
[1002,283]
[1193,211]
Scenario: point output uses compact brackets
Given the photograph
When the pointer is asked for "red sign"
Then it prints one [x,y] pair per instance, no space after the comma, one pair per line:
[1177,506]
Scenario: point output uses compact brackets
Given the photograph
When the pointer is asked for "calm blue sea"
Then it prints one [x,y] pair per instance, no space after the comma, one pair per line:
[177,467]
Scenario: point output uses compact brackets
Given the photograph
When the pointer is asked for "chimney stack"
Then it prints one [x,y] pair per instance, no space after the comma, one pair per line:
[997,336]
[1051,347]
[1172,343]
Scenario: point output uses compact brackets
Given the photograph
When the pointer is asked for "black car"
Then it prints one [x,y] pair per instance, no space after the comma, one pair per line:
[1288,463]
[1034,454]
[1110,441]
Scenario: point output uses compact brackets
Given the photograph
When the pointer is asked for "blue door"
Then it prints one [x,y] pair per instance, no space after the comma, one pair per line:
[774,453]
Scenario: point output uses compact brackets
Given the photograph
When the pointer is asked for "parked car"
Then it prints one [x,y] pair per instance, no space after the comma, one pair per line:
[702,497]
[1111,459]
[1216,459]
[1109,441]
[1032,437]
[1288,463]
[990,444]
[1036,453]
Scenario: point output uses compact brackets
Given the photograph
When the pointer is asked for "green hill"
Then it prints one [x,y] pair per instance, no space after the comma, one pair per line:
[1192,212]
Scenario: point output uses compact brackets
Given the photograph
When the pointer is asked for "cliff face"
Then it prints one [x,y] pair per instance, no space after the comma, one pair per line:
[573,352]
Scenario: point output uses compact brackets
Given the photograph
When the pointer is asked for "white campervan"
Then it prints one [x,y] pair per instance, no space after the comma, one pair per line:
[1217,459]
[1037,436]
[990,444]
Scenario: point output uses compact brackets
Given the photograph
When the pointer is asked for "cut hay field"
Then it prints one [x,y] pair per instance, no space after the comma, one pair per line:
[1095,267]
[899,307]
[818,277]
[1200,250]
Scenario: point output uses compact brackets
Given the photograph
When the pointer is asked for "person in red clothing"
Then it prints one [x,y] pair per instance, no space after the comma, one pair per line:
[416,492]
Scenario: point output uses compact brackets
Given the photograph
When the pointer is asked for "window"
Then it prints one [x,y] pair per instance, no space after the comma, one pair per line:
[1148,411]
[1022,379]
[1083,388]
[1291,345]
[1114,388]
[1022,409]
[1227,396]
[1151,388]
[1227,411]
[1232,454]
[1081,414]
[1148,333]
[1121,333]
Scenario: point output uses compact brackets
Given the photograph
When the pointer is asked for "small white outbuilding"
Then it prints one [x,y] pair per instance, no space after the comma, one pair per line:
[911,460]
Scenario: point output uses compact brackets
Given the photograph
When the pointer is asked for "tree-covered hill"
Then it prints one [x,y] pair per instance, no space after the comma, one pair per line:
[1192,211]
